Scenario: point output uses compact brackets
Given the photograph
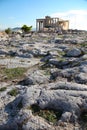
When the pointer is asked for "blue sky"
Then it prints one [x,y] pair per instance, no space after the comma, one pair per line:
[14,13]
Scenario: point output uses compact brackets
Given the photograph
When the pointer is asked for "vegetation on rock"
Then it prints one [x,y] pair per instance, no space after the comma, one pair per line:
[13,92]
[8,31]
[49,114]
[2,89]
[26,28]
[13,73]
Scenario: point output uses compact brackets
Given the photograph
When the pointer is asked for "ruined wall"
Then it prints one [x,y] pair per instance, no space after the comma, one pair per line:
[66,25]
[50,23]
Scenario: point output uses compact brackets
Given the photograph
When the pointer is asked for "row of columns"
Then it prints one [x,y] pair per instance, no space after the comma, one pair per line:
[41,23]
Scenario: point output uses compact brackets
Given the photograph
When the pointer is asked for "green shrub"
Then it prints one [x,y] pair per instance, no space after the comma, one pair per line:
[48,114]
[2,89]
[83,44]
[8,31]
[13,92]
[26,28]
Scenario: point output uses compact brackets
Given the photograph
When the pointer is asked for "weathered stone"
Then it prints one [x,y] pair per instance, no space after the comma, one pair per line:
[66,117]
[83,69]
[55,78]
[3,52]
[74,52]
[59,41]
[81,78]
[35,77]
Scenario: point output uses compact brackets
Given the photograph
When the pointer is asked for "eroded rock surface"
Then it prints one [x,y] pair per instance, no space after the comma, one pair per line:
[46,71]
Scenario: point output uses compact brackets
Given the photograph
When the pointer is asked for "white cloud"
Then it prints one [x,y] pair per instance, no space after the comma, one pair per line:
[77,18]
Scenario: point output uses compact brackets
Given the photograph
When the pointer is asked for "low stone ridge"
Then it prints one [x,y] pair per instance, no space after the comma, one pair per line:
[43,81]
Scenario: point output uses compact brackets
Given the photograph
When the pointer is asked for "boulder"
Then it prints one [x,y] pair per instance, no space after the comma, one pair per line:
[74,52]
[36,77]
[81,78]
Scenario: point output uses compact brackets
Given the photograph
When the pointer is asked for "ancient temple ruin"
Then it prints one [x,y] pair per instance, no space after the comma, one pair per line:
[51,24]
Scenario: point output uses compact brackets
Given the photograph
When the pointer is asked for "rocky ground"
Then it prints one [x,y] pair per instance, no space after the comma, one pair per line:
[43,81]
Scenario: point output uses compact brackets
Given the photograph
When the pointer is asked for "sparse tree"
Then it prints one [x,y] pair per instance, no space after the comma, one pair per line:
[26,28]
[8,30]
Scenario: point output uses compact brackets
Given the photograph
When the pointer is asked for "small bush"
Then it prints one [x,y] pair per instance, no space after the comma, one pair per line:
[8,31]
[2,89]
[13,92]
[83,44]
[49,114]
[26,28]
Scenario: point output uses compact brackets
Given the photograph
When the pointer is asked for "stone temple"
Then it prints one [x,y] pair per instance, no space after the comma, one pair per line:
[51,24]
